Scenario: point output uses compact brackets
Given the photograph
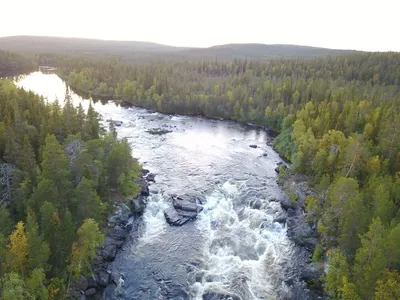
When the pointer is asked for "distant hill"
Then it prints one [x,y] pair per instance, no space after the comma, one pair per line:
[262,51]
[43,44]
[136,51]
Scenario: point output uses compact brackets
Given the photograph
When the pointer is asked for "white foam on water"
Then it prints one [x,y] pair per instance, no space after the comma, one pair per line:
[154,219]
[243,251]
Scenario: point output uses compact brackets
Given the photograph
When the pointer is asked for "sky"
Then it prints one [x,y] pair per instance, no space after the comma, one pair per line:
[339,24]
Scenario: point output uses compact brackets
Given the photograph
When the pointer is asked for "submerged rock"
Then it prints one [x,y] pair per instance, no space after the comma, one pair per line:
[150,177]
[173,218]
[217,296]
[253,146]
[115,122]
[256,204]
[158,131]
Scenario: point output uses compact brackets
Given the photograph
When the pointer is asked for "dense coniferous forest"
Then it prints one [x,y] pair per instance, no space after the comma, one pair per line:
[338,120]
[59,172]
[12,64]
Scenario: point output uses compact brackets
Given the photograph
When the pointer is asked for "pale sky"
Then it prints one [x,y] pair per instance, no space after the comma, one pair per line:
[341,24]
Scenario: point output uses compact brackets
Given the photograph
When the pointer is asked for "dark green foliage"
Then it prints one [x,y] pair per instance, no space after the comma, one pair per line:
[12,64]
[55,174]
[338,120]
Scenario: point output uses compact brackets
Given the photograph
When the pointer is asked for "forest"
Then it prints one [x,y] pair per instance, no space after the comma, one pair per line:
[338,120]
[12,64]
[60,172]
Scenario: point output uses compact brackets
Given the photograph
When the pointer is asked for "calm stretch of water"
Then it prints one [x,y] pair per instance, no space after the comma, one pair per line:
[231,248]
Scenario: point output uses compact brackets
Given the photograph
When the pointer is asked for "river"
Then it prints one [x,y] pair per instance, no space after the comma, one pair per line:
[233,247]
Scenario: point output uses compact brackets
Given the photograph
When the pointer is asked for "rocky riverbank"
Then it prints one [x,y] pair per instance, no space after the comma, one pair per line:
[299,230]
[121,224]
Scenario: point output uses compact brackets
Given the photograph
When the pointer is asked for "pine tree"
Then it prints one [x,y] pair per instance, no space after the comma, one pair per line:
[55,168]
[46,190]
[27,161]
[88,202]
[38,249]
[5,221]
[370,260]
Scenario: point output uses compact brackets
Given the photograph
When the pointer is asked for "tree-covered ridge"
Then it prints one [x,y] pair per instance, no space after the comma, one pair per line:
[58,172]
[339,123]
[241,90]
[147,52]
[12,64]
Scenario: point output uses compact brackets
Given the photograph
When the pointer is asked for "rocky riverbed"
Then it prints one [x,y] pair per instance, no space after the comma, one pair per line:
[121,223]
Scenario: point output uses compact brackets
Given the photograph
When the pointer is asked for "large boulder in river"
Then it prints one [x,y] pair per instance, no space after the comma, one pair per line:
[144,172]
[185,208]
[150,177]
[110,241]
[120,216]
[173,218]
[109,252]
[118,233]
[103,279]
[144,187]
[187,203]
[138,204]
[217,296]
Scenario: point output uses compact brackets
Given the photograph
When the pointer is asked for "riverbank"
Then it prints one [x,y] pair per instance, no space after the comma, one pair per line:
[122,225]
[299,229]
